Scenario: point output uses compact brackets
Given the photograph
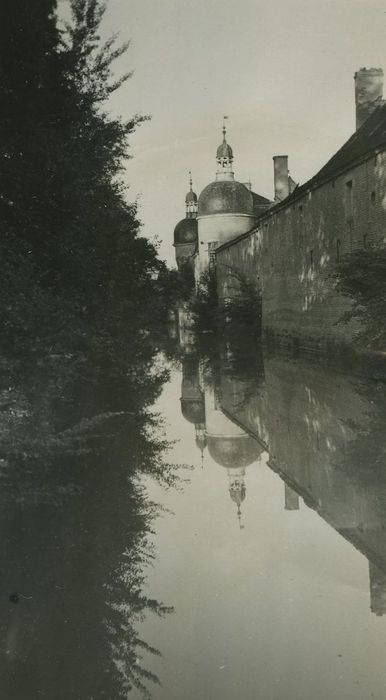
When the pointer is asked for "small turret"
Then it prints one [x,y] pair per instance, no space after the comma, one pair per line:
[191,201]
[224,158]
[186,232]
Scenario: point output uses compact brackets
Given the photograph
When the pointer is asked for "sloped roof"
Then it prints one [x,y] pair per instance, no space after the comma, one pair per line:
[259,200]
[260,204]
[367,139]
[186,231]
[370,136]
[225,197]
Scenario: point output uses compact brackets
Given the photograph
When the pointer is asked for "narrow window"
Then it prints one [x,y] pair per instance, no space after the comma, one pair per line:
[300,210]
[311,258]
[349,201]
[373,197]
[212,254]
[365,241]
[338,250]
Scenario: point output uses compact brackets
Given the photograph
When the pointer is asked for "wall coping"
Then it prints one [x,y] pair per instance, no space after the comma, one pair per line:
[225,215]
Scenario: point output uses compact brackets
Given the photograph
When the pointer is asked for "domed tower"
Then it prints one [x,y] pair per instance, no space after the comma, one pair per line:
[225,208]
[185,233]
[192,400]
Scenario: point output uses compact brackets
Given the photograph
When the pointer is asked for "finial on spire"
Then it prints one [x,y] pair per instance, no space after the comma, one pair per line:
[191,200]
[239,517]
[224,157]
[224,131]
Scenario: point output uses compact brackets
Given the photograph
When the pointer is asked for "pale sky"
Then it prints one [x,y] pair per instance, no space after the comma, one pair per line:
[281,69]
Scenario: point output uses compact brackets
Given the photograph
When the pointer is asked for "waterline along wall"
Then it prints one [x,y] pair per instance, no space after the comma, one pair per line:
[292,252]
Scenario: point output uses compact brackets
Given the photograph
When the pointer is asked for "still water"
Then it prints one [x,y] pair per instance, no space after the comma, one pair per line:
[252,566]
[274,556]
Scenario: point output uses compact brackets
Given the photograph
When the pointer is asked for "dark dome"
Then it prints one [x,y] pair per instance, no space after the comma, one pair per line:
[193,411]
[224,151]
[186,231]
[234,452]
[260,204]
[191,197]
[225,197]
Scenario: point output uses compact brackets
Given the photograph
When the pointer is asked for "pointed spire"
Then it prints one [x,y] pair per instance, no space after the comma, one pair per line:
[237,490]
[191,200]
[241,526]
[224,157]
[224,131]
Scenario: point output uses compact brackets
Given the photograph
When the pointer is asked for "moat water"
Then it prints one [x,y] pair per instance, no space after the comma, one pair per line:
[259,573]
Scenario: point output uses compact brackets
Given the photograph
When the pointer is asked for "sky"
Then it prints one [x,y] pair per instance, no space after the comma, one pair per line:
[282,70]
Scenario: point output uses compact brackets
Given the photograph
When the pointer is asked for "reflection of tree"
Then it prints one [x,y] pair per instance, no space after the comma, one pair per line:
[71,454]
[80,295]
[365,455]
[234,356]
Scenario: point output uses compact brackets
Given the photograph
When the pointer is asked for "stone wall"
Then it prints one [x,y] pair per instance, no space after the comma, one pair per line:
[293,253]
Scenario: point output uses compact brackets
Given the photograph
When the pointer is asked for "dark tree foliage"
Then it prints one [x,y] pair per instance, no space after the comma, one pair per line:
[243,311]
[76,266]
[76,524]
[178,284]
[239,318]
[205,303]
[362,278]
[80,295]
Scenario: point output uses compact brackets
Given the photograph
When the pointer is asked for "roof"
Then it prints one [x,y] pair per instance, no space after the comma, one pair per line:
[234,452]
[260,203]
[225,197]
[191,197]
[368,138]
[186,231]
[193,410]
[224,151]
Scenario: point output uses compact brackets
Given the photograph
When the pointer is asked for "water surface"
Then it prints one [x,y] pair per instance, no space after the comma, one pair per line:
[275,556]
[226,539]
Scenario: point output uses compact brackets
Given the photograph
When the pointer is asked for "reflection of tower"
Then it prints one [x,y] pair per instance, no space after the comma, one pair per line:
[377,589]
[192,400]
[237,489]
[229,445]
[185,233]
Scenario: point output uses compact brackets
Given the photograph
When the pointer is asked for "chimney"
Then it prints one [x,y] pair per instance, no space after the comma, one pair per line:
[281,177]
[291,498]
[368,93]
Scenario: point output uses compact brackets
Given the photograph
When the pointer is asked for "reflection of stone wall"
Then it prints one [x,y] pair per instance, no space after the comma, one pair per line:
[312,421]
[299,245]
